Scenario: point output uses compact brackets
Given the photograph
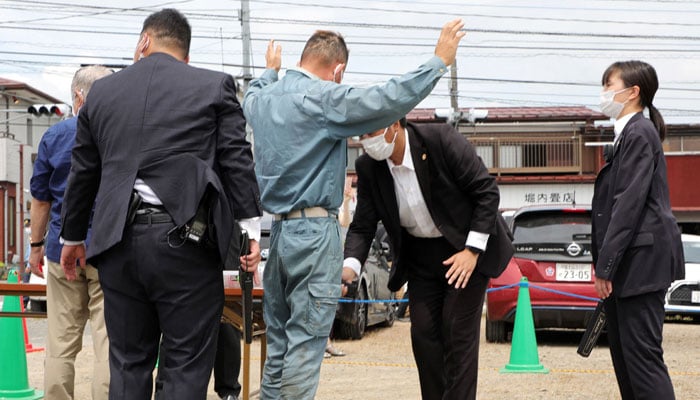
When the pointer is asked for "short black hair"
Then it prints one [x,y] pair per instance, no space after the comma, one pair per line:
[171,28]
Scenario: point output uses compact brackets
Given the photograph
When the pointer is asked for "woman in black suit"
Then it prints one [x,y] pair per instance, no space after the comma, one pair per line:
[637,246]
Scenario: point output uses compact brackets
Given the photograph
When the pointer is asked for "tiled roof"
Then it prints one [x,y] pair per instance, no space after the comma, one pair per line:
[25,92]
[519,114]
[10,84]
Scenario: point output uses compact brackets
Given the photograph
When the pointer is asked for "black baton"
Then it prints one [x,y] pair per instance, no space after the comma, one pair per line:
[246,280]
[594,328]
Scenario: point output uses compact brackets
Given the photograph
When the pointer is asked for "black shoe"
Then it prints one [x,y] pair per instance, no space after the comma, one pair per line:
[230,397]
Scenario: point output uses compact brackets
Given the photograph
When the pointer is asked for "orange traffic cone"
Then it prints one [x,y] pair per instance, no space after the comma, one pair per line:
[14,380]
[27,345]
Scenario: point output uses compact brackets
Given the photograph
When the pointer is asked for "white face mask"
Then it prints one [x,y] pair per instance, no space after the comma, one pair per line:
[609,106]
[377,147]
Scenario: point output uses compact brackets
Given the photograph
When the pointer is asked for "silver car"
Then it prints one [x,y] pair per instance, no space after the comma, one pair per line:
[683,297]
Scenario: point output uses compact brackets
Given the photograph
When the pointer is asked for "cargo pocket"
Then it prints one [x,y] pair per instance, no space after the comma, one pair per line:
[323,299]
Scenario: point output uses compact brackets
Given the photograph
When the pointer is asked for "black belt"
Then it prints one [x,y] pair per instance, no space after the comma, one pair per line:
[152,215]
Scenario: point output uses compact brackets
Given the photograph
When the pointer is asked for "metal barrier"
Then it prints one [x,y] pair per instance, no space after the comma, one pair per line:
[530,155]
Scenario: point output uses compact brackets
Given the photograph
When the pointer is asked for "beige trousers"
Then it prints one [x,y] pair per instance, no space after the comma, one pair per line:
[69,305]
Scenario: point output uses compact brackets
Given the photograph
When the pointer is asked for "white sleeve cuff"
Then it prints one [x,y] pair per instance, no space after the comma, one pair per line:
[477,239]
[252,226]
[353,263]
[70,242]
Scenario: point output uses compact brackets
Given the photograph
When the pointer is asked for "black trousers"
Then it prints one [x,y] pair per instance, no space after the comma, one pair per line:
[151,288]
[635,328]
[445,322]
[227,365]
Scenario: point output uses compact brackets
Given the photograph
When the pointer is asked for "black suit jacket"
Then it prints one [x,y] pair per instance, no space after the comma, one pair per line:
[180,129]
[459,193]
[636,241]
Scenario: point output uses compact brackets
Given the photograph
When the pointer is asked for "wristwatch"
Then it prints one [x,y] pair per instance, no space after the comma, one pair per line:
[36,244]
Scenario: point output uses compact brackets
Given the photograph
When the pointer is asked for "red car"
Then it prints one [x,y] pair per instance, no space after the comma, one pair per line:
[553,251]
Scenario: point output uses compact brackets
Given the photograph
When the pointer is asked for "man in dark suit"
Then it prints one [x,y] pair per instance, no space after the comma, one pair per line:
[439,206]
[171,138]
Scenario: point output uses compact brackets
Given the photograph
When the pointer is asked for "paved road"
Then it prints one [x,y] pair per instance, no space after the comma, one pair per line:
[381,366]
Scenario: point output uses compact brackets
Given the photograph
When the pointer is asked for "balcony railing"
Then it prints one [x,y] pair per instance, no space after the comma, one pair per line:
[529,155]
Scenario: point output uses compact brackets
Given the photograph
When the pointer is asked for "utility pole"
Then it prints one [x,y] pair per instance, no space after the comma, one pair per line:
[245,35]
[456,113]
[21,209]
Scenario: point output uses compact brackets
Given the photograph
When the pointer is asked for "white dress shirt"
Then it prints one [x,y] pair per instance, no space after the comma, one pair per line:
[413,212]
[251,225]
[620,125]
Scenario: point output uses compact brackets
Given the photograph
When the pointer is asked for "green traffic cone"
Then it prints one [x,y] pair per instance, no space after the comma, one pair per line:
[523,349]
[14,380]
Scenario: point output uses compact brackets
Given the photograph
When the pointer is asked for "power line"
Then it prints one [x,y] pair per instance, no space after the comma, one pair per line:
[480,30]
[104,10]
[472,15]
[516,6]
[354,73]
[393,27]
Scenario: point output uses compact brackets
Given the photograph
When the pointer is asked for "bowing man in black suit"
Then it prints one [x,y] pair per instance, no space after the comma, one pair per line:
[637,247]
[439,206]
[174,135]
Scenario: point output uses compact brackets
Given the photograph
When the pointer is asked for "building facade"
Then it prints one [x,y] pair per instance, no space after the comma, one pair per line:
[551,155]
[22,123]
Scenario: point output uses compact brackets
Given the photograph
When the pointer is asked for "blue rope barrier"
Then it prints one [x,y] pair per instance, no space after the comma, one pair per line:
[344,300]
[528,284]
[512,285]
[578,296]
[503,287]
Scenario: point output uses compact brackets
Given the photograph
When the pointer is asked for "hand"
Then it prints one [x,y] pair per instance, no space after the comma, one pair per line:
[250,262]
[347,277]
[462,265]
[603,287]
[70,256]
[273,57]
[36,256]
[448,41]
[256,277]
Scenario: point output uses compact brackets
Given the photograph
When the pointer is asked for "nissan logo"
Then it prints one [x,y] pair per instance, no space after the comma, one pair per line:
[574,249]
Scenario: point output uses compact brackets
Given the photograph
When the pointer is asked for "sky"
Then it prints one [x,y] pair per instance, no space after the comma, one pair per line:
[516,53]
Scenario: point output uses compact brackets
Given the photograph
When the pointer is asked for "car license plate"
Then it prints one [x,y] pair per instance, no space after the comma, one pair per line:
[573,272]
[695,296]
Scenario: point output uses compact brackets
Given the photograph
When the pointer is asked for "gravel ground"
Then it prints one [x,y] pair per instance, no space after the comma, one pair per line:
[381,366]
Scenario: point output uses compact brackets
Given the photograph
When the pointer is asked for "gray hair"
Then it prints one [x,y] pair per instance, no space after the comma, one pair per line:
[85,77]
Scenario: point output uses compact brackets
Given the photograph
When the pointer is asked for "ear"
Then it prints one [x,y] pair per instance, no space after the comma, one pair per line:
[79,100]
[634,92]
[338,72]
[141,47]
[145,41]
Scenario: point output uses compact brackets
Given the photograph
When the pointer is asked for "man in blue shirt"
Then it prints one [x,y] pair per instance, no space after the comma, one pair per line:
[69,303]
[300,124]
